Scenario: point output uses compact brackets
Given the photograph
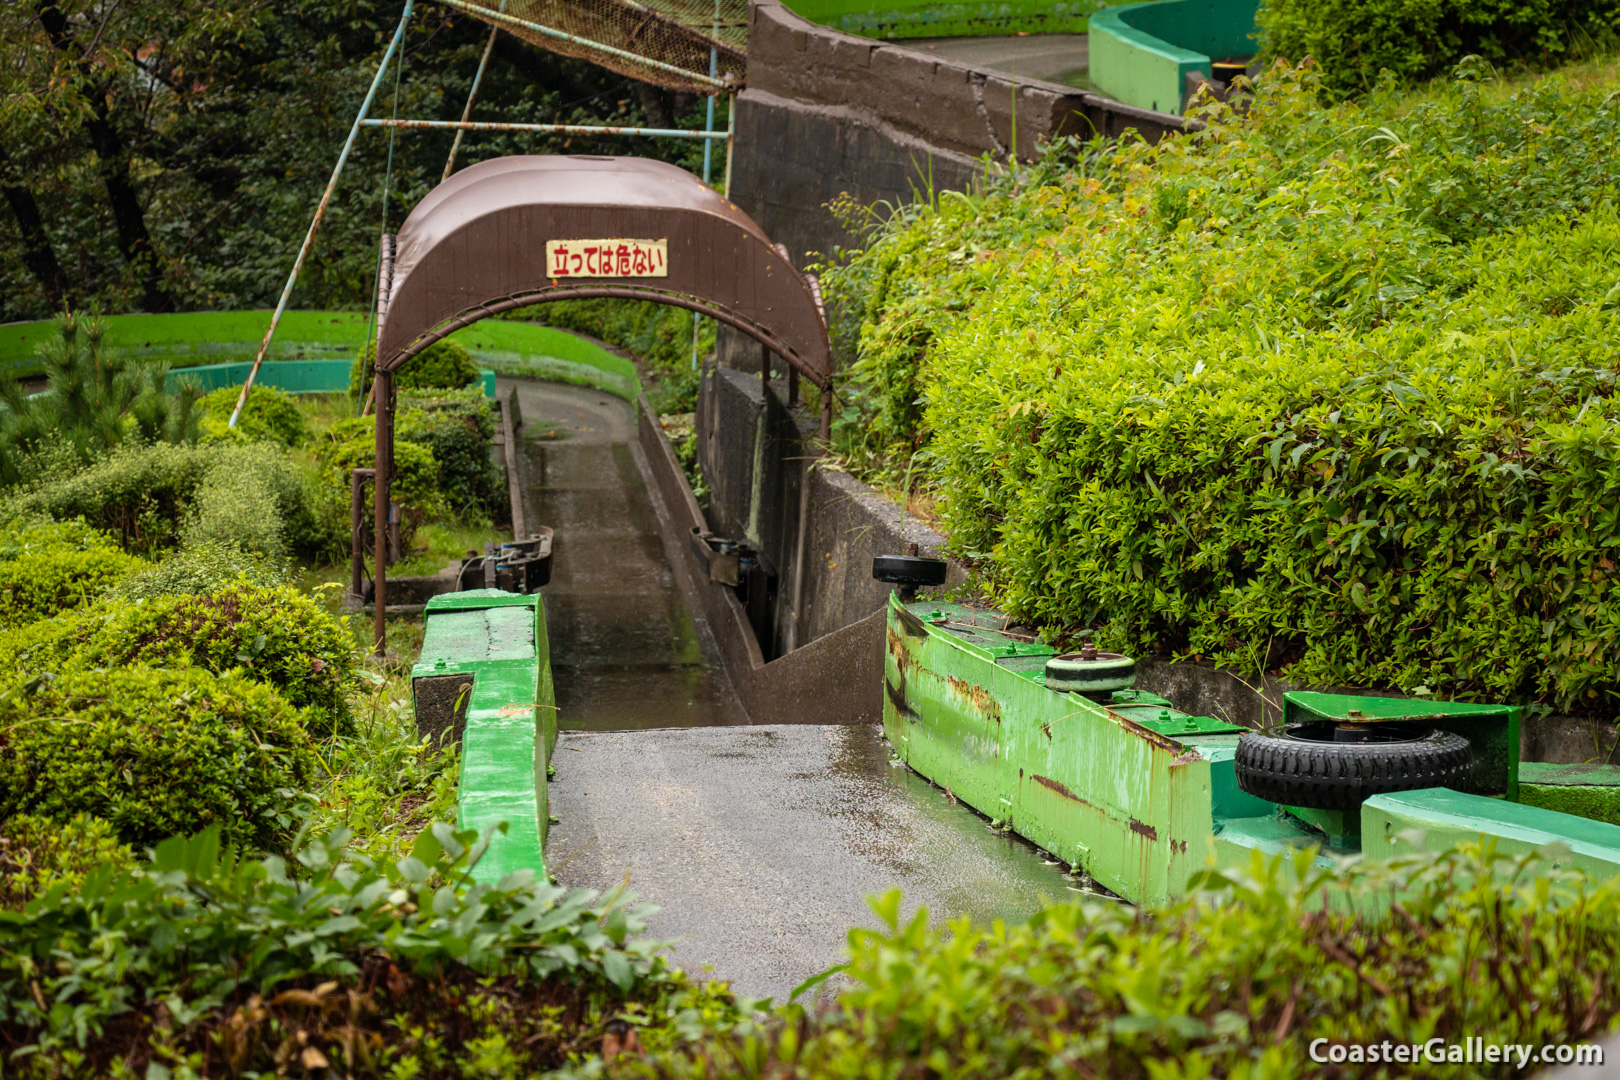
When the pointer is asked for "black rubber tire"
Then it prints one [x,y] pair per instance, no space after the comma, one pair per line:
[914,571]
[1290,769]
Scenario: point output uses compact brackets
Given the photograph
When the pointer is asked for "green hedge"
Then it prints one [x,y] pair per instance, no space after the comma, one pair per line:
[1353,41]
[153,751]
[1238,981]
[1326,391]
[275,635]
[46,569]
[269,414]
[444,365]
[151,497]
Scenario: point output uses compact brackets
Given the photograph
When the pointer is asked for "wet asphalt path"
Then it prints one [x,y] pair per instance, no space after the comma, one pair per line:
[759,844]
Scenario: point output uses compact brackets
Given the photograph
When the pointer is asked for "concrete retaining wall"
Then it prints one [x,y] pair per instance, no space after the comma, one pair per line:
[820,528]
[827,112]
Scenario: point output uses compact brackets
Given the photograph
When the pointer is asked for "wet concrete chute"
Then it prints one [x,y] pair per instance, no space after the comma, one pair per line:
[759,842]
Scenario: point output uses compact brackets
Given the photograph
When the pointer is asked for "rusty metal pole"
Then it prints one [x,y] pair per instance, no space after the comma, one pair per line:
[357,523]
[384,474]
[472,97]
[731,126]
[320,210]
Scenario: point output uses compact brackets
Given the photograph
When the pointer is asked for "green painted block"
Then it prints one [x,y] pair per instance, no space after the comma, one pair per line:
[1448,818]
[499,639]
[1588,791]
[1141,53]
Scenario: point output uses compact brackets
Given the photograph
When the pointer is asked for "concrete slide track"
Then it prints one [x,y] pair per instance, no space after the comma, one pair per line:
[759,843]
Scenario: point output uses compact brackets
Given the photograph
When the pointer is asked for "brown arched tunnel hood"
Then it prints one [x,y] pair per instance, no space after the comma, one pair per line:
[477,245]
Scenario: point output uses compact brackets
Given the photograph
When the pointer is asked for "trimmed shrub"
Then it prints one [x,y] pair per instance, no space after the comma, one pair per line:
[204,568]
[416,474]
[153,751]
[457,426]
[1238,981]
[1354,40]
[276,635]
[36,853]
[444,365]
[46,569]
[269,415]
[147,497]
[1324,391]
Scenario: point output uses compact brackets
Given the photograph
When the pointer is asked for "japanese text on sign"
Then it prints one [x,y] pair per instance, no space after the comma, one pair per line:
[607,258]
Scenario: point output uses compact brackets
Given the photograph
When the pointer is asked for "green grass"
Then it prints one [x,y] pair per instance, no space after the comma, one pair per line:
[215,337]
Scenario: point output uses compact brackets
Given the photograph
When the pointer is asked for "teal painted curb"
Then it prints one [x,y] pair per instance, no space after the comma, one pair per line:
[499,638]
[1141,53]
[1447,818]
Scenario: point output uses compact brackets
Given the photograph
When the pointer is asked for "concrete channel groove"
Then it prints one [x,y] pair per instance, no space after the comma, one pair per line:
[759,843]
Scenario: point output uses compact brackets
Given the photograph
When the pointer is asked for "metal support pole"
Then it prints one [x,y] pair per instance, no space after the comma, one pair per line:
[826,412]
[558,35]
[731,123]
[357,523]
[385,468]
[553,129]
[472,96]
[320,210]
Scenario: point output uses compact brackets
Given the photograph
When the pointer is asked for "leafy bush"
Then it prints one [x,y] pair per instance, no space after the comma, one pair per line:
[152,751]
[1323,390]
[45,569]
[147,496]
[415,482]
[444,365]
[387,970]
[95,399]
[454,426]
[204,568]
[36,853]
[659,335]
[1354,40]
[1239,980]
[276,635]
[269,414]
[458,428]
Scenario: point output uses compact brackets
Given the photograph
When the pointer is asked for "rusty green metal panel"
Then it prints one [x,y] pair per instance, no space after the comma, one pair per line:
[968,708]
[499,638]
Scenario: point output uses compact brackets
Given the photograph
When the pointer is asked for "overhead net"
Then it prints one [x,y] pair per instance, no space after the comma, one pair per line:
[678,33]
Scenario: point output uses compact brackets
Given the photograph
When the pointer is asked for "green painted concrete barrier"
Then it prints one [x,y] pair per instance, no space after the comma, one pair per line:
[509,723]
[209,338]
[1589,791]
[1141,53]
[928,18]
[1447,818]
[292,376]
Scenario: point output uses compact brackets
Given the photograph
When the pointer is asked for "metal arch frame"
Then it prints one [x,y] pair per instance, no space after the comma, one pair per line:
[606,292]
[383,385]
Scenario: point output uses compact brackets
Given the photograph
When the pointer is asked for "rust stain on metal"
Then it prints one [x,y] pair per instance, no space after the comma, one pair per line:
[977,696]
[1054,785]
[910,625]
[1179,846]
[1186,758]
[1046,729]
[897,698]
[1141,828]
[897,649]
[1163,742]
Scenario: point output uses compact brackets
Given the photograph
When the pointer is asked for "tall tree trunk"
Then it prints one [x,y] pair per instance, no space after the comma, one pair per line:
[38,255]
[134,241]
